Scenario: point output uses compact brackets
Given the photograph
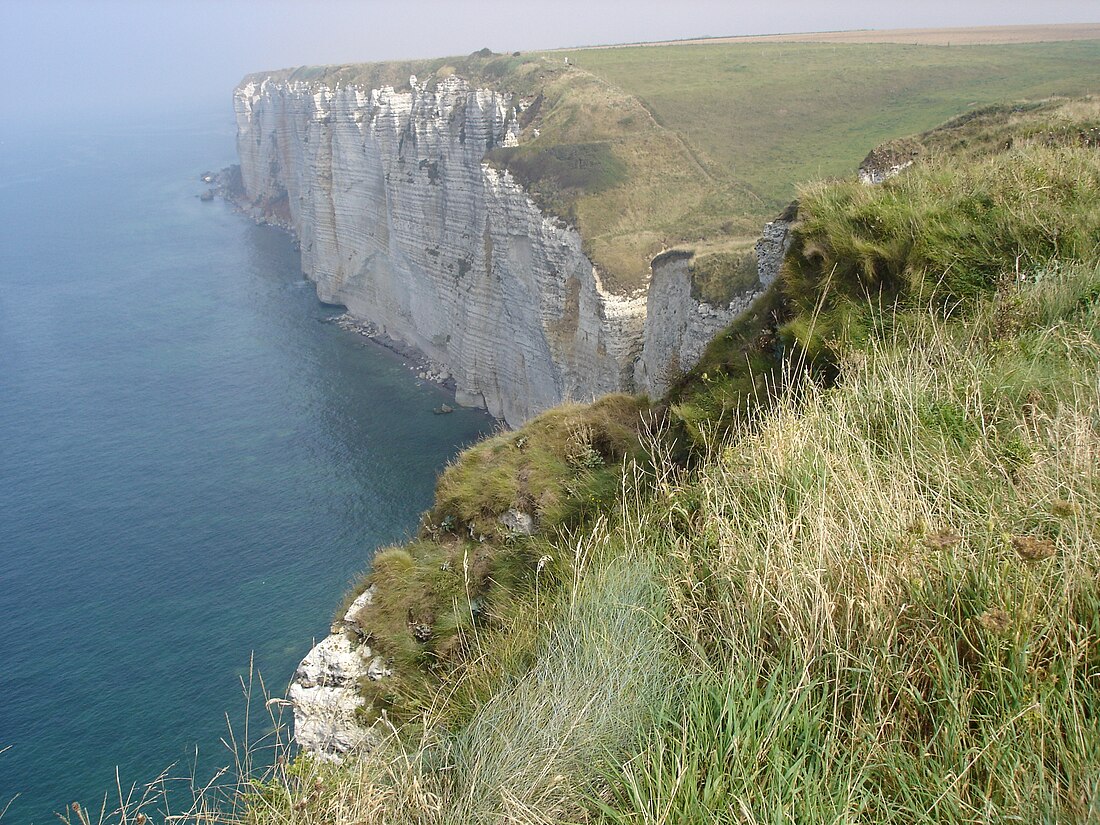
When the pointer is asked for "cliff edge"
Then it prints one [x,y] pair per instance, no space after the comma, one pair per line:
[401,220]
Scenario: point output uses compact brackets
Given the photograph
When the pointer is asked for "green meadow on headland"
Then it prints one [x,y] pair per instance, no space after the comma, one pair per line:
[730,129]
[848,570]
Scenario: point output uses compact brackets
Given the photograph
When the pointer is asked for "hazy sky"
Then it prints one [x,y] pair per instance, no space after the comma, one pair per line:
[64,56]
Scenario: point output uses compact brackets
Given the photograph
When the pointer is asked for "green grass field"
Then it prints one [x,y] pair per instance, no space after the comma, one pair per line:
[769,116]
[738,126]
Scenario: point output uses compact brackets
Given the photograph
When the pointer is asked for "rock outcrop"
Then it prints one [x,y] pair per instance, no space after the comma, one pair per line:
[679,326]
[888,161]
[325,689]
[400,220]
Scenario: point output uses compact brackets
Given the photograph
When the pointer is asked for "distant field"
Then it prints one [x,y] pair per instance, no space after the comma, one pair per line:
[734,126]
[961,36]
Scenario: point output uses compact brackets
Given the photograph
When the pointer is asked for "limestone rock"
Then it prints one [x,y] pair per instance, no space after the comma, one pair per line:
[325,721]
[334,662]
[679,327]
[351,615]
[378,669]
[872,177]
[400,220]
[518,523]
[325,697]
[772,248]
[888,160]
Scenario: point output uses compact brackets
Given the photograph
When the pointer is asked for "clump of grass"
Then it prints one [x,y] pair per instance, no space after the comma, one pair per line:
[892,587]
[942,234]
[557,467]
[439,608]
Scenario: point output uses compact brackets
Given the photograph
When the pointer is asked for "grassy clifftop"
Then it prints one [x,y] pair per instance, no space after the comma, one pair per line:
[648,148]
[848,571]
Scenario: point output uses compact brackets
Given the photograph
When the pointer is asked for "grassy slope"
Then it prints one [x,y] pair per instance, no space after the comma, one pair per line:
[891,589]
[876,599]
[1005,190]
[878,603]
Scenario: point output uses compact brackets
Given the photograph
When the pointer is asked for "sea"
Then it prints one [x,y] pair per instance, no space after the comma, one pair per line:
[195,464]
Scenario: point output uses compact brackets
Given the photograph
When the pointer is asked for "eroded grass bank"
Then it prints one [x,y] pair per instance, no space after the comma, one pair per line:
[880,602]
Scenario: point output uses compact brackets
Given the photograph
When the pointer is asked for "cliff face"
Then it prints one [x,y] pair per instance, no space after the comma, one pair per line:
[401,221]
[679,326]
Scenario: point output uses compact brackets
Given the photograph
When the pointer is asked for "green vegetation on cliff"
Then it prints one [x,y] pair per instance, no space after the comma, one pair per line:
[849,570]
[466,601]
[993,198]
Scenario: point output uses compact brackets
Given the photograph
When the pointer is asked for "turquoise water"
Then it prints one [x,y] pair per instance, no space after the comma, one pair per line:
[192,466]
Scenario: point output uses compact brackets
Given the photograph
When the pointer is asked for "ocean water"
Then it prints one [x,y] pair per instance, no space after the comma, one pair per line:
[193,466]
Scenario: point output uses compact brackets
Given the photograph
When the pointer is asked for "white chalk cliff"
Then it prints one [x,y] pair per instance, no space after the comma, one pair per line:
[325,690]
[400,219]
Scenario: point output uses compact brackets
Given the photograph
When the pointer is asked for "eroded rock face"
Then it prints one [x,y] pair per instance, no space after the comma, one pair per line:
[400,220]
[888,160]
[325,698]
[325,690]
[872,176]
[679,326]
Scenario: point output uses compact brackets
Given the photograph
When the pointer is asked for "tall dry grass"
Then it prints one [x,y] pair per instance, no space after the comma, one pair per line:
[891,589]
